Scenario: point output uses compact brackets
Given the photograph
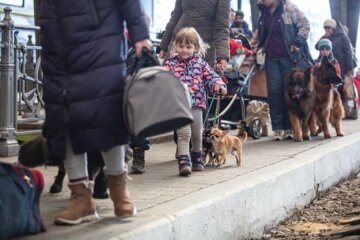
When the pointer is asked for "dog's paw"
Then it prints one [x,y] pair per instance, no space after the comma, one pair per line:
[327,135]
[298,139]
[340,134]
[306,138]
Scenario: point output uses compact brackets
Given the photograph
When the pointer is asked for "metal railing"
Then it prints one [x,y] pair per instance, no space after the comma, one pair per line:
[20,84]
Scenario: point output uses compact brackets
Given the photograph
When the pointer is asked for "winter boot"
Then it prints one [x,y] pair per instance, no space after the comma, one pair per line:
[197,161]
[81,208]
[119,194]
[184,165]
[138,166]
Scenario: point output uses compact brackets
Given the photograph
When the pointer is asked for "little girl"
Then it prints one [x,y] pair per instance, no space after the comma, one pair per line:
[187,65]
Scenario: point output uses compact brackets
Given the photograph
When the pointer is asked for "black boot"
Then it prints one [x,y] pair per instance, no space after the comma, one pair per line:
[138,166]
[197,161]
[184,165]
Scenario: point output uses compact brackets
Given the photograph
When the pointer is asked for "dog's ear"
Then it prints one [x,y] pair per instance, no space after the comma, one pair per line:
[224,132]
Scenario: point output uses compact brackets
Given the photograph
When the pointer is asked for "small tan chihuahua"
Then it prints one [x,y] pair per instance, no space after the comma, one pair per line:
[224,143]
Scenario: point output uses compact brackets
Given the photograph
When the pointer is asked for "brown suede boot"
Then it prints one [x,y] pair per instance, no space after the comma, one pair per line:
[81,208]
[119,194]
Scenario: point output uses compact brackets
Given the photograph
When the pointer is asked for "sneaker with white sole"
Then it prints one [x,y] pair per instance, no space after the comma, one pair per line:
[278,135]
[288,134]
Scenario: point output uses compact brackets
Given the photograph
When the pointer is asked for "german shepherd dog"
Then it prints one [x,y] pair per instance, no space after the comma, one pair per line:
[328,105]
[300,97]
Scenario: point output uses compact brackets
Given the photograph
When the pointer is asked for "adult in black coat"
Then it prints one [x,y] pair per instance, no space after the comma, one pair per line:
[341,45]
[83,62]
[343,53]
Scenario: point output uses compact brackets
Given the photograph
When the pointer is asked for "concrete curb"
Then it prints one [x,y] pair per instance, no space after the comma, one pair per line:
[248,205]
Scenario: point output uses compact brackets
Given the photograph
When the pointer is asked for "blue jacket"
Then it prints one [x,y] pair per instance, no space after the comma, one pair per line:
[83,62]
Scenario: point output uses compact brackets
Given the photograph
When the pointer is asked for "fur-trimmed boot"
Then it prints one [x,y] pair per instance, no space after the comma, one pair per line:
[119,194]
[138,165]
[81,207]
[197,161]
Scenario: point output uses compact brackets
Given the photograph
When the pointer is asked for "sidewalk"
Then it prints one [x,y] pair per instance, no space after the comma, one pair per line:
[227,203]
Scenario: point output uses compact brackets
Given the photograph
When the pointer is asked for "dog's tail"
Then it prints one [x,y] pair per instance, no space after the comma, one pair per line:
[243,136]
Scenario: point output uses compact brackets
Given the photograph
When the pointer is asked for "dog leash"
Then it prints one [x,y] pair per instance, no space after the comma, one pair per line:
[217,110]
[208,111]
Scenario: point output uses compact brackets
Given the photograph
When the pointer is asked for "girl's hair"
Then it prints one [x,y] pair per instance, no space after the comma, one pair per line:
[191,36]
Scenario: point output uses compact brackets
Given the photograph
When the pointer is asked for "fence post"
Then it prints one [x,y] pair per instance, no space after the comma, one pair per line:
[8,143]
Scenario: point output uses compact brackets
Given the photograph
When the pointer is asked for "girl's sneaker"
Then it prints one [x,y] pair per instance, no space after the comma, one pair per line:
[184,165]
[278,135]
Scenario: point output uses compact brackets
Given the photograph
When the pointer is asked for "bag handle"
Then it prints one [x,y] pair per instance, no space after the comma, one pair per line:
[146,54]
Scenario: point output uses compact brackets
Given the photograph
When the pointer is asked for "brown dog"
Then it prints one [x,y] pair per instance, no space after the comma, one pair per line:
[300,97]
[328,104]
[224,143]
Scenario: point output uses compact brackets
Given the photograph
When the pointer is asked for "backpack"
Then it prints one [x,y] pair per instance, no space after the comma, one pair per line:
[20,190]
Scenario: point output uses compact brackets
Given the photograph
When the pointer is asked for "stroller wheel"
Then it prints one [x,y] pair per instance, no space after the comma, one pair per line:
[255,128]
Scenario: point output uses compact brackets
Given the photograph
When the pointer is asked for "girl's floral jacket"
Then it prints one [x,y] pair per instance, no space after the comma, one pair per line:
[197,75]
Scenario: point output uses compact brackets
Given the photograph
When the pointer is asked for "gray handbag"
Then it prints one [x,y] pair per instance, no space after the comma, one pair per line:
[155,101]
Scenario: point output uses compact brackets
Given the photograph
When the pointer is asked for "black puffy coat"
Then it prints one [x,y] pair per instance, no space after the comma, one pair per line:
[83,62]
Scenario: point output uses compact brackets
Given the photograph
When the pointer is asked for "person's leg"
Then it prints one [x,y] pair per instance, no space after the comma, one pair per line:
[183,157]
[116,172]
[196,139]
[286,69]
[81,207]
[275,95]
[139,146]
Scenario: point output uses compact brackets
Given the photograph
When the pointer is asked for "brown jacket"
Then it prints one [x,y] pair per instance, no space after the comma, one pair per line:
[212,24]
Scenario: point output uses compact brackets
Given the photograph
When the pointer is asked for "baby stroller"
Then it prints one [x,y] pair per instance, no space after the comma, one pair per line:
[233,106]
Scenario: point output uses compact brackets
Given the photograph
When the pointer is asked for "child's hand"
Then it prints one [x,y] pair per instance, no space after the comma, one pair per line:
[221,65]
[162,54]
[222,91]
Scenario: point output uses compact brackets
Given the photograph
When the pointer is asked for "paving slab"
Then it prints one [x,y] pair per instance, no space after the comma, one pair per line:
[230,202]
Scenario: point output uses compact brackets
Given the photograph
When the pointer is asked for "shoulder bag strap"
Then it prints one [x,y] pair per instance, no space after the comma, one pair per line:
[268,36]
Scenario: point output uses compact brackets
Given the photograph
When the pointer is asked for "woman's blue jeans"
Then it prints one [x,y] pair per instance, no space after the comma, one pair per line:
[277,69]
